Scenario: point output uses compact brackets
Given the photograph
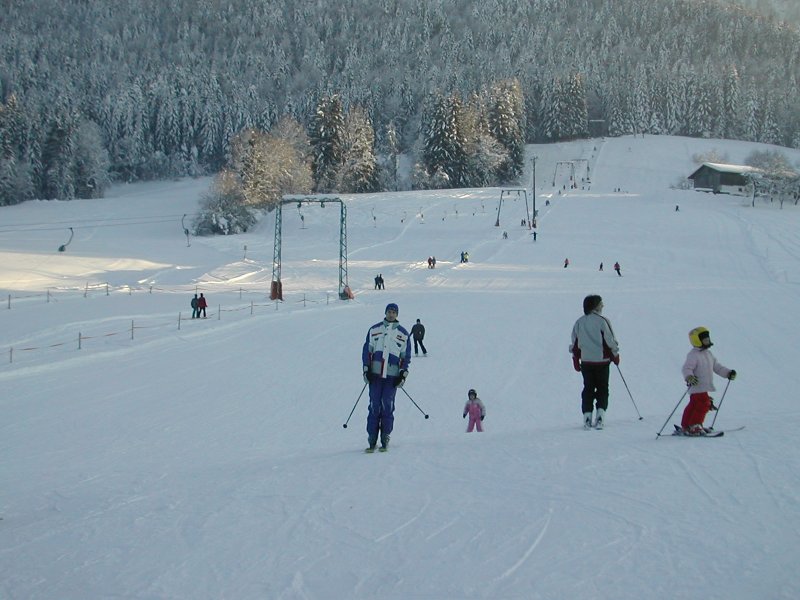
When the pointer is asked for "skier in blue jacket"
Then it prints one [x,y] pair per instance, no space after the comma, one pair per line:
[385,359]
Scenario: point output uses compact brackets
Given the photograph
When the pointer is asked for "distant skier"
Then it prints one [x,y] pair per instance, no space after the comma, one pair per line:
[566,263]
[618,269]
[385,358]
[601,266]
[193,304]
[593,348]
[476,411]
[418,333]
[698,372]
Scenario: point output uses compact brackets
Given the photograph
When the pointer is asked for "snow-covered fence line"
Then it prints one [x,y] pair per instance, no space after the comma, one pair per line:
[291,301]
[56,294]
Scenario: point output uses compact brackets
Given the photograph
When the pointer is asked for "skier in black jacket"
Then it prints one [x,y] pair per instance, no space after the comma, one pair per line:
[418,333]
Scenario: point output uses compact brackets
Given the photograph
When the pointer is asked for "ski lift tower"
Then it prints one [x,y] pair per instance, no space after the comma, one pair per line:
[509,192]
[276,289]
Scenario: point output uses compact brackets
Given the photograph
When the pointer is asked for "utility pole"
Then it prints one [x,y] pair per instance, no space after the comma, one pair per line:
[533,185]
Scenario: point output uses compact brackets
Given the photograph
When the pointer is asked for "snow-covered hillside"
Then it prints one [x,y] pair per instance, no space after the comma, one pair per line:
[209,461]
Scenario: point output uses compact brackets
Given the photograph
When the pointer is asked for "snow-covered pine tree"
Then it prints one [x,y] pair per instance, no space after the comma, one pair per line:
[506,124]
[57,157]
[359,170]
[90,162]
[444,150]
[327,138]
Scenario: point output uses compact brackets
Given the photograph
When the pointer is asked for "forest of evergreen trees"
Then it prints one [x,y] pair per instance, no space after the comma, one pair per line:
[93,91]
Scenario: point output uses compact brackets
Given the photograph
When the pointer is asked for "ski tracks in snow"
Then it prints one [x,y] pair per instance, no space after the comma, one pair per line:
[513,568]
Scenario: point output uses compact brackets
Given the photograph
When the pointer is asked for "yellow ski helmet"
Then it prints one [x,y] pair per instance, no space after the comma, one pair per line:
[697,337]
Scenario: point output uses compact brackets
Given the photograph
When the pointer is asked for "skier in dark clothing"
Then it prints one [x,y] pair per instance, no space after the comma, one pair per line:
[201,306]
[593,348]
[618,269]
[385,359]
[195,311]
[418,333]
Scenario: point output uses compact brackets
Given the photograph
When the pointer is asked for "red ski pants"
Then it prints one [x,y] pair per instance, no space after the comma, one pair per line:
[697,409]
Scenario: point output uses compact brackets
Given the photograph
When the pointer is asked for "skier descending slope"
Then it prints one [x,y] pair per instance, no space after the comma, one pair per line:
[698,372]
[593,348]
[385,359]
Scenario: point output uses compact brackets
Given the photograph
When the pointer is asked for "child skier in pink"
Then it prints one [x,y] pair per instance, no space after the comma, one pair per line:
[476,411]
[698,372]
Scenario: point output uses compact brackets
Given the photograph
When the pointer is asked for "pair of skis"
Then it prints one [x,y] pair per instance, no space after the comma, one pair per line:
[713,433]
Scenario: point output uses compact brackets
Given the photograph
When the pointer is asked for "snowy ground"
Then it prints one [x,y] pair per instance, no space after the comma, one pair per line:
[210,461]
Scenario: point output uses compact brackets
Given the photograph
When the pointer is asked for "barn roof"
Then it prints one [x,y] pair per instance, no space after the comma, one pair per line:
[724,168]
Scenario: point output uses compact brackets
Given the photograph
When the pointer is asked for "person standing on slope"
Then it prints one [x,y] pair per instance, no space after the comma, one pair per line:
[593,348]
[418,333]
[385,359]
[698,372]
[476,411]
[202,304]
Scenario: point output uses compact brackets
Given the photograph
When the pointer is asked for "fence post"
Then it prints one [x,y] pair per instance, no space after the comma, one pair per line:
[304,300]
[131,328]
[10,355]
[48,295]
[219,312]
[79,340]
[86,291]
[179,321]
[251,307]
[106,289]
[9,302]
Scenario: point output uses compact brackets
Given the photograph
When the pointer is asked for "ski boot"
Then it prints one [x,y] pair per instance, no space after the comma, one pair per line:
[384,443]
[587,420]
[599,422]
[372,441]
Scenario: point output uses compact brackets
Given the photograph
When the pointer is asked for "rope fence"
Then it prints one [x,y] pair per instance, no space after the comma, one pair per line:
[290,302]
[105,289]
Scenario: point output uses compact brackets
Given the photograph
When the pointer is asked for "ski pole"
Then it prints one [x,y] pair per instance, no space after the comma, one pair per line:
[658,435]
[354,406]
[629,394]
[415,404]
[720,403]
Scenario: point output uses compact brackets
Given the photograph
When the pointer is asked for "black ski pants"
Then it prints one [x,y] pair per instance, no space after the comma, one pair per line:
[421,345]
[595,386]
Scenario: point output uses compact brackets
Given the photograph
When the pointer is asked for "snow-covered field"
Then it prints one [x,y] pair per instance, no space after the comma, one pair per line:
[209,461]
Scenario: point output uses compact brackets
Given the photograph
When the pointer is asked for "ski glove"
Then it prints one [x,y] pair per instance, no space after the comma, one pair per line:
[366,374]
[401,378]
[615,359]
[464,416]
[692,380]
[576,363]
[732,375]
[483,417]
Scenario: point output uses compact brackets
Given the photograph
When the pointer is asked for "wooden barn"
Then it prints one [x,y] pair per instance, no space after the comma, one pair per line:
[723,179]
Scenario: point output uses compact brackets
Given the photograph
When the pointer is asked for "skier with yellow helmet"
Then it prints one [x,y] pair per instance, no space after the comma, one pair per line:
[698,372]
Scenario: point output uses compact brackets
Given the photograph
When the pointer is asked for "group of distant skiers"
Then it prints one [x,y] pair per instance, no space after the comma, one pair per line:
[617,266]
[386,358]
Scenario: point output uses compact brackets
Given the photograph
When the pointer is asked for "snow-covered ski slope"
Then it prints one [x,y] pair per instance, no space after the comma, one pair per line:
[210,462]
